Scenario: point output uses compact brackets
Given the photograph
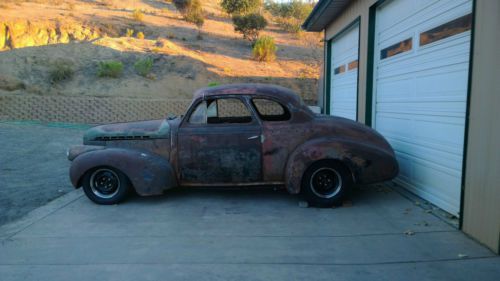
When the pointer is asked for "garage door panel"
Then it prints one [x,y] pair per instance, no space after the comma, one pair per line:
[408,16]
[416,135]
[448,162]
[448,132]
[425,64]
[442,108]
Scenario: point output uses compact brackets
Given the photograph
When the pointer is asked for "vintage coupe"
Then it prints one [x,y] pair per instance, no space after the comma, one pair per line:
[233,135]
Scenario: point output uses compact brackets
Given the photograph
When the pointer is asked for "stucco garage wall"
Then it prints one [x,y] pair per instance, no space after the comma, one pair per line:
[481,209]
[357,9]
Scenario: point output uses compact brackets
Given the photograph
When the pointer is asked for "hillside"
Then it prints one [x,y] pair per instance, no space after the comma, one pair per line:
[36,36]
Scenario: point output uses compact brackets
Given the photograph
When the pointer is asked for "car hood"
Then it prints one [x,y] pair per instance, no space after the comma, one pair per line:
[151,129]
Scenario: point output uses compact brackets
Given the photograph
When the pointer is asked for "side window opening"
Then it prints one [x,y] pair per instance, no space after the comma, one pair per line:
[221,111]
[270,110]
[199,115]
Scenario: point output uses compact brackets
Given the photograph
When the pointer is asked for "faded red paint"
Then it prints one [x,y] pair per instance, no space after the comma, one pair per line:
[178,153]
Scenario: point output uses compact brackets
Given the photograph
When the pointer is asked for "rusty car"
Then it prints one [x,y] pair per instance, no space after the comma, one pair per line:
[233,135]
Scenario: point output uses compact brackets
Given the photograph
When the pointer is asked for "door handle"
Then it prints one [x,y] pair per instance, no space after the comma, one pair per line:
[252,137]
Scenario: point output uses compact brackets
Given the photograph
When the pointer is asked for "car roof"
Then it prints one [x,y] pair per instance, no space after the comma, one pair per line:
[283,94]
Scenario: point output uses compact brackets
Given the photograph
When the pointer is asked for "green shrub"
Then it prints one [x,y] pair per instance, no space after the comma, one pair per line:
[110,68]
[61,71]
[192,11]
[143,66]
[249,25]
[213,84]
[291,25]
[293,9]
[182,5]
[291,15]
[264,49]
[138,15]
[240,6]
[130,32]
[140,35]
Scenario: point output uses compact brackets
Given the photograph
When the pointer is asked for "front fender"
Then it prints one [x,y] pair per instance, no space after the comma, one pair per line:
[149,173]
[367,163]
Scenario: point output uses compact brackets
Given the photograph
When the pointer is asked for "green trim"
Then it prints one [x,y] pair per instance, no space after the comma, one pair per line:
[328,94]
[328,84]
[369,64]
[328,77]
[467,112]
[372,16]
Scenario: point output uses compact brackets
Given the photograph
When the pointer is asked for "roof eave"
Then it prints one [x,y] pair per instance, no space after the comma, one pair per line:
[323,13]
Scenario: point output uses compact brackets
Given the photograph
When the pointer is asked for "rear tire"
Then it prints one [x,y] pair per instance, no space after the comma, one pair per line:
[325,183]
[106,185]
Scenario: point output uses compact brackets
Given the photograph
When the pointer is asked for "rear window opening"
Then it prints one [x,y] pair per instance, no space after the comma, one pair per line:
[269,110]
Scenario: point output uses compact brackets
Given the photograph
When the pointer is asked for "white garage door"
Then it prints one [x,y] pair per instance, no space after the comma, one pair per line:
[344,74]
[420,92]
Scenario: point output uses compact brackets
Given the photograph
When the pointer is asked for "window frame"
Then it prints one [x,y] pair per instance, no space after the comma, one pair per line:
[287,110]
[185,121]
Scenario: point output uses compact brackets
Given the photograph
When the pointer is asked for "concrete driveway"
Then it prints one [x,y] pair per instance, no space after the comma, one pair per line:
[220,234]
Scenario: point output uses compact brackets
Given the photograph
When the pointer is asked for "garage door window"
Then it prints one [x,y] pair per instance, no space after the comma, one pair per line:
[448,29]
[352,65]
[398,48]
[339,70]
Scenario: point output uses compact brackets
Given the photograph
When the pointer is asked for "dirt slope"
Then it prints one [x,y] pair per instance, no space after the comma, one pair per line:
[83,33]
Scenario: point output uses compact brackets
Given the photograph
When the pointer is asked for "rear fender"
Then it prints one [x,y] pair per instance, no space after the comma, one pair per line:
[367,163]
[149,173]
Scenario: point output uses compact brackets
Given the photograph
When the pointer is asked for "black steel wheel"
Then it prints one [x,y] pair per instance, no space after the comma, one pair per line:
[105,185]
[325,183]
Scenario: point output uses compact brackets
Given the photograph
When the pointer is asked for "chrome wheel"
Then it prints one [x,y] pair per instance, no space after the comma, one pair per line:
[326,182]
[104,183]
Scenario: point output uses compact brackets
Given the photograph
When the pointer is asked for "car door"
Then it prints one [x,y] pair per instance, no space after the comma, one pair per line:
[220,142]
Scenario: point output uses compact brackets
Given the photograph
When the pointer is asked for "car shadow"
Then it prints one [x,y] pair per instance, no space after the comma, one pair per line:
[249,195]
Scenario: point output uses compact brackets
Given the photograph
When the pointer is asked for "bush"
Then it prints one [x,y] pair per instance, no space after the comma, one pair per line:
[240,6]
[264,49]
[140,35]
[182,5]
[293,9]
[291,25]
[249,25]
[143,66]
[191,11]
[291,15]
[130,32]
[137,15]
[61,71]
[110,68]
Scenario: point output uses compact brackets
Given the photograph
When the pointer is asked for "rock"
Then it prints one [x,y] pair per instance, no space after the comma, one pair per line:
[9,83]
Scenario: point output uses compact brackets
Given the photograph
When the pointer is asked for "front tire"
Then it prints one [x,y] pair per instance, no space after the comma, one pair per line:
[105,185]
[325,183]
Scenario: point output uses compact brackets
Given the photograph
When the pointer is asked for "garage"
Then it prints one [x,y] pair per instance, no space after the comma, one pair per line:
[343,91]
[421,64]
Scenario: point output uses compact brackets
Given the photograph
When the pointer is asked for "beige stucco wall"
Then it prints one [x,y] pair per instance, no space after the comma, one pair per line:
[356,9]
[481,210]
